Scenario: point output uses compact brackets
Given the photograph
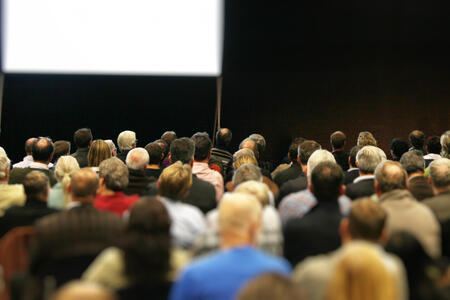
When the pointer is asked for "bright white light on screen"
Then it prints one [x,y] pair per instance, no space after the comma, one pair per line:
[161,37]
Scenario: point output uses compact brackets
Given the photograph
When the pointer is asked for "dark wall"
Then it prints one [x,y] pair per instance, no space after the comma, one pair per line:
[289,70]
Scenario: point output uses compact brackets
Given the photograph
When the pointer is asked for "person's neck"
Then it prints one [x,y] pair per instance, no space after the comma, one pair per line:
[205,161]
[4,181]
[41,162]
[361,174]
[415,174]
[234,240]
[153,166]
[104,191]
[83,200]
[438,191]
[338,149]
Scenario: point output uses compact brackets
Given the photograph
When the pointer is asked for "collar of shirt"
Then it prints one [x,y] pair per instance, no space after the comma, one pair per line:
[364,177]
[28,158]
[72,205]
[432,156]
[352,169]
[36,165]
[200,166]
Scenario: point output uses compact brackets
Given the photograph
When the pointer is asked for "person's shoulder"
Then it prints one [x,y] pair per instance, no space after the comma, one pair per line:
[273,262]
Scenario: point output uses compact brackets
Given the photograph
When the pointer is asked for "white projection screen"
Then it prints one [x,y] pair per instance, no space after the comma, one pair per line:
[148,37]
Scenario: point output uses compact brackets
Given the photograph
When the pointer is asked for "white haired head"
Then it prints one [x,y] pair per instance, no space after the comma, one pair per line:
[126,140]
[317,157]
[137,159]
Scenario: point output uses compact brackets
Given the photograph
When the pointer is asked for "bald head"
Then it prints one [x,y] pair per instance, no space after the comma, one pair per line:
[42,150]
[440,174]
[83,185]
[223,137]
[137,159]
[239,218]
[29,145]
[83,290]
[250,144]
[389,175]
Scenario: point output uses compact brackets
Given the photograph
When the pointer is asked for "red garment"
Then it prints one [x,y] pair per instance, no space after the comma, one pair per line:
[117,203]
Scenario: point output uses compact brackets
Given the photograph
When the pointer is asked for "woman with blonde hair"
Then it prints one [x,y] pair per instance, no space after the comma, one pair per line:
[360,273]
[98,152]
[59,195]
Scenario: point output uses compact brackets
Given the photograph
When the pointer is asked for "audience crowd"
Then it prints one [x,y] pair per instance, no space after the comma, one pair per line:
[188,218]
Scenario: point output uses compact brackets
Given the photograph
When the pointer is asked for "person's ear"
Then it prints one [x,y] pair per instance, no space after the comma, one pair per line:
[356,163]
[384,237]
[170,158]
[344,231]
[377,188]
[342,190]
[310,187]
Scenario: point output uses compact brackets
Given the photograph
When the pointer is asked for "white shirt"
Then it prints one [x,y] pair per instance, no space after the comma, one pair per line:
[27,161]
[363,177]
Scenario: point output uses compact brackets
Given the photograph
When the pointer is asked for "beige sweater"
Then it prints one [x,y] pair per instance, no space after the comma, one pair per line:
[10,195]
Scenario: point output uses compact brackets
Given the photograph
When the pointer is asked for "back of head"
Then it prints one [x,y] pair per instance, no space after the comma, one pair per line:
[368,158]
[98,152]
[29,145]
[169,137]
[137,159]
[237,213]
[365,138]
[61,148]
[260,141]
[434,145]
[247,172]
[293,148]
[182,149]
[84,184]
[317,157]
[440,173]
[445,143]
[36,186]
[270,286]
[223,137]
[243,151]
[306,149]
[83,290]
[366,220]
[126,140]
[250,144]
[175,181]
[4,165]
[42,149]
[353,152]
[146,242]
[326,180]
[66,166]
[82,137]
[255,188]
[399,146]
[203,146]
[390,176]
[164,146]
[112,146]
[244,159]
[337,140]
[360,273]
[155,153]
[417,139]
[412,162]
[114,173]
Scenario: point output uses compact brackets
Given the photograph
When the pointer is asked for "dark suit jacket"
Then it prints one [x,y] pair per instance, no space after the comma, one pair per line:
[81,155]
[420,188]
[350,176]
[341,158]
[17,175]
[137,182]
[123,155]
[26,215]
[201,194]
[294,171]
[291,186]
[79,231]
[363,188]
[315,233]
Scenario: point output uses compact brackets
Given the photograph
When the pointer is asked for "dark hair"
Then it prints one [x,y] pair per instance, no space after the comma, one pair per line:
[293,150]
[182,150]
[223,137]
[337,140]
[326,179]
[202,146]
[146,243]
[164,147]
[35,185]
[42,149]
[399,146]
[306,149]
[412,161]
[417,139]
[353,153]
[61,148]
[434,145]
[169,137]
[155,153]
[366,219]
[82,137]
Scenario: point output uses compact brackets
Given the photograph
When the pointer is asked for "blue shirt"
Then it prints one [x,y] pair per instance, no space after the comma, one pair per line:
[223,274]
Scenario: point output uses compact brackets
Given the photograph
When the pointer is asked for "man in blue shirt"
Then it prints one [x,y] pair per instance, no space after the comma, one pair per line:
[223,274]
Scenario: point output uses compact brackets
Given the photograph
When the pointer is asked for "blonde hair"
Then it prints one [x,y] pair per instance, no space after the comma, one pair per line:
[98,152]
[255,188]
[175,181]
[126,140]
[65,167]
[361,274]
[366,138]
[244,159]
